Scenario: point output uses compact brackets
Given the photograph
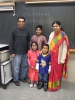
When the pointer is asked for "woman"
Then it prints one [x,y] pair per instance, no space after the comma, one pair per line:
[59,50]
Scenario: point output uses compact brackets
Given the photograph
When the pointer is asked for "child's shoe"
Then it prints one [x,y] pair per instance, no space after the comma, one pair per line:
[35,85]
[31,85]
[45,86]
[40,85]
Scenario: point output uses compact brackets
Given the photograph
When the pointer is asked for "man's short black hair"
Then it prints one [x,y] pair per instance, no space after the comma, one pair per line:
[20,18]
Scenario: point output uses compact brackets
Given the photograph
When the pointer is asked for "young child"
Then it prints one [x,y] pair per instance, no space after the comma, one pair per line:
[32,57]
[38,37]
[43,67]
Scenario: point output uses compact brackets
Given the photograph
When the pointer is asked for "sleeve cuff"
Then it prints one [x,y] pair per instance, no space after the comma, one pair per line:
[49,70]
[37,66]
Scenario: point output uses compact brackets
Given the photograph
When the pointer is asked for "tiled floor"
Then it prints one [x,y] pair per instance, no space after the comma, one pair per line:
[24,92]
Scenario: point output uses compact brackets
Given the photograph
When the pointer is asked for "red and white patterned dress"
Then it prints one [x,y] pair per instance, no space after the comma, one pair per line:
[39,39]
[32,57]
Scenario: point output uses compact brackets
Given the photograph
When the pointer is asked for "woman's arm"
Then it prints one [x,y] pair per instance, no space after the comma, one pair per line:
[64,52]
[50,37]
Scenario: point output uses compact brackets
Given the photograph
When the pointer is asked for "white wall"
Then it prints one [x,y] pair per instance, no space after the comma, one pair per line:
[71,68]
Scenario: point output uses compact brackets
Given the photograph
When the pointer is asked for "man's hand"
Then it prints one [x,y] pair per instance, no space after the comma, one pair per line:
[13,55]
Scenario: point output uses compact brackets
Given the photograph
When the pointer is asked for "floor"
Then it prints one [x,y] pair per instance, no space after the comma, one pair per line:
[24,92]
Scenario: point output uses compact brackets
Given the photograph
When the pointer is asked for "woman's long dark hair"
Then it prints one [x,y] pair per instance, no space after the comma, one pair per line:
[35,43]
[58,23]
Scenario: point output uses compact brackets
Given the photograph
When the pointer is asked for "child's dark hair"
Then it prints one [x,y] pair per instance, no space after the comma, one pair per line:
[35,43]
[38,26]
[45,45]
[58,23]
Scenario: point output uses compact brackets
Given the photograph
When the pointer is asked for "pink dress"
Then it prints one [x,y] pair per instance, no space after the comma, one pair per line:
[32,57]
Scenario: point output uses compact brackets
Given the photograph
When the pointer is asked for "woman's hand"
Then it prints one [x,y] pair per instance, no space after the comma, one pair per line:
[61,62]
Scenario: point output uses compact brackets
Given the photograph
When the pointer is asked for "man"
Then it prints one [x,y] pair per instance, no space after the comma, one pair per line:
[18,47]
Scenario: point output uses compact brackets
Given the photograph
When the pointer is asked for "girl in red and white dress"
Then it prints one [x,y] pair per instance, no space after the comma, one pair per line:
[32,58]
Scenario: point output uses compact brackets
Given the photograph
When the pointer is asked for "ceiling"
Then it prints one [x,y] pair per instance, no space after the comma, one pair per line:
[38,1]
[12,0]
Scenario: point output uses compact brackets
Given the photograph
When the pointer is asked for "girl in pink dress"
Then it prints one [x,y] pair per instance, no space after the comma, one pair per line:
[32,57]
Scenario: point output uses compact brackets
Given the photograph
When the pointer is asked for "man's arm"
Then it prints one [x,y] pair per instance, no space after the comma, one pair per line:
[11,43]
[28,41]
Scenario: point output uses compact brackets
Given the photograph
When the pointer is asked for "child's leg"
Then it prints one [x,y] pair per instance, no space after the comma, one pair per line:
[40,82]
[35,84]
[45,82]
[31,84]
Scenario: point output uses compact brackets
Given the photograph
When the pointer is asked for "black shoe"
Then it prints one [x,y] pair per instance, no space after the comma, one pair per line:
[23,80]
[17,83]
[40,85]
[45,86]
